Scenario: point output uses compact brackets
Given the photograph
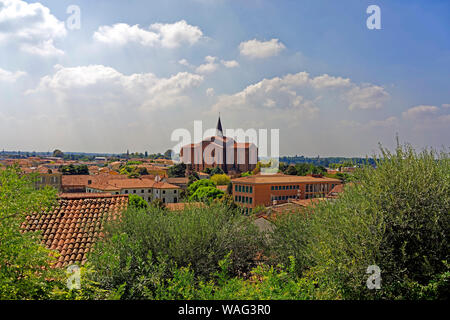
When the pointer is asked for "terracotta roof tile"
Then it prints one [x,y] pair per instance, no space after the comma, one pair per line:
[72,231]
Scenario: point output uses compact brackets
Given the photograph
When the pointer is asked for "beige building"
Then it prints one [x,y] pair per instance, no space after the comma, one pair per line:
[145,188]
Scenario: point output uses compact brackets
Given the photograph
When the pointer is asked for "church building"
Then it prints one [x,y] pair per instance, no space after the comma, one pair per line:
[219,151]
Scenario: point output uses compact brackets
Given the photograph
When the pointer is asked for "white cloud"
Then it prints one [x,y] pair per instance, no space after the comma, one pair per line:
[230,63]
[446,105]
[261,49]
[208,67]
[366,97]
[300,93]
[170,35]
[420,112]
[326,81]
[31,27]
[8,76]
[185,63]
[100,86]
[210,92]
[271,96]
[391,121]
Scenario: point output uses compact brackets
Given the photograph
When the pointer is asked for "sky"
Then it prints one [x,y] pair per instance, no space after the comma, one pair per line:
[123,75]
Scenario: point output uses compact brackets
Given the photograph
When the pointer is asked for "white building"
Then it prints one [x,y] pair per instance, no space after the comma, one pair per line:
[145,188]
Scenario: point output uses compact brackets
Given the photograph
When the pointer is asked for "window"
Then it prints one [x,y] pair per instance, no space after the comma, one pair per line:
[251,200]
[175,191]
[164,200]
[134,191]
[246,189]
[175,200]
[251,189]
[240,188]
[142,191]
[236,188]
[272,188]
[164,191]
[126,191]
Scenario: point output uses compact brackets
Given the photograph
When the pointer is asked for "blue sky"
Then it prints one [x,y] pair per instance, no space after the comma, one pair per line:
[137,70]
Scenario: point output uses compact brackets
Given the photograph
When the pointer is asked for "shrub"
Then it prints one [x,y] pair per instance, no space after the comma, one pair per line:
[220,179]
[395,216]
[144,248]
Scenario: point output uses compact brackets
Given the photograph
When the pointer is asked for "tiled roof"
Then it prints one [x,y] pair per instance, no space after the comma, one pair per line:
[72,226]
[115,185]
[83,180]
[335,191]
[181,205]
[281,178]
[181,180]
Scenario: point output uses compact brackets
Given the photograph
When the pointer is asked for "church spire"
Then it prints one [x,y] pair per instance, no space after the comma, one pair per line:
[219,131]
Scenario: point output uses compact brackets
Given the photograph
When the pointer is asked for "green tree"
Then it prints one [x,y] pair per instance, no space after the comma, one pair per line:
[58,153]
[200,183]
[220,179]
[177,171]
[138,202]
[291,170]
[24,261]
[206,194]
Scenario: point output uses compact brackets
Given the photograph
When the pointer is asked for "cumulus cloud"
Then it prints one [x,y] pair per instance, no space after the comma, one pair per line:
[261,49]
[31,27]
[185,63]
[300,93]
[230,63]
[366,97]
[209,66]
[169,35]
[8,76]
[98,85]
[420,112]
[210,92]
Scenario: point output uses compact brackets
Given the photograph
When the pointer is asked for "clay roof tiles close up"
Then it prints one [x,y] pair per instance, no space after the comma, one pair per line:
[75,223]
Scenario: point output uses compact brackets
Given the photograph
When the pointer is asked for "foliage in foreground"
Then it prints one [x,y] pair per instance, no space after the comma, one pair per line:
[142,249]
[24,261]
[396,217]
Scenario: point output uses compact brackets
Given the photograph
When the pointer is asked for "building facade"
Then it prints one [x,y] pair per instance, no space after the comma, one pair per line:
[220,151]
[266,190]
[147,189]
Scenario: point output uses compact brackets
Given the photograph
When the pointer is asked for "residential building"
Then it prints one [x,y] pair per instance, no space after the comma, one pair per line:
[145,188]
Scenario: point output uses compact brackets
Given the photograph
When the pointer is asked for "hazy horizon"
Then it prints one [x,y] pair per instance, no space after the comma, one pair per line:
[133,73]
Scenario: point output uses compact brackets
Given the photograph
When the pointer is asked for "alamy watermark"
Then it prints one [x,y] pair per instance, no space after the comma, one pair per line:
[74,279]
[374,20]
[374,280]
[73,22]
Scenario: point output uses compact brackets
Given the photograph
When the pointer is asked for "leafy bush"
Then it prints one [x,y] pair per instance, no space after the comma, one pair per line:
[220,179]
[24,262]
[200,183]
[143,248]
[137,202]
[206,194]
[395,216]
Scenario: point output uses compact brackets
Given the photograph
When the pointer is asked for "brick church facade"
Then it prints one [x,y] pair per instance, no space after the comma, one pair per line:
[220,151]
